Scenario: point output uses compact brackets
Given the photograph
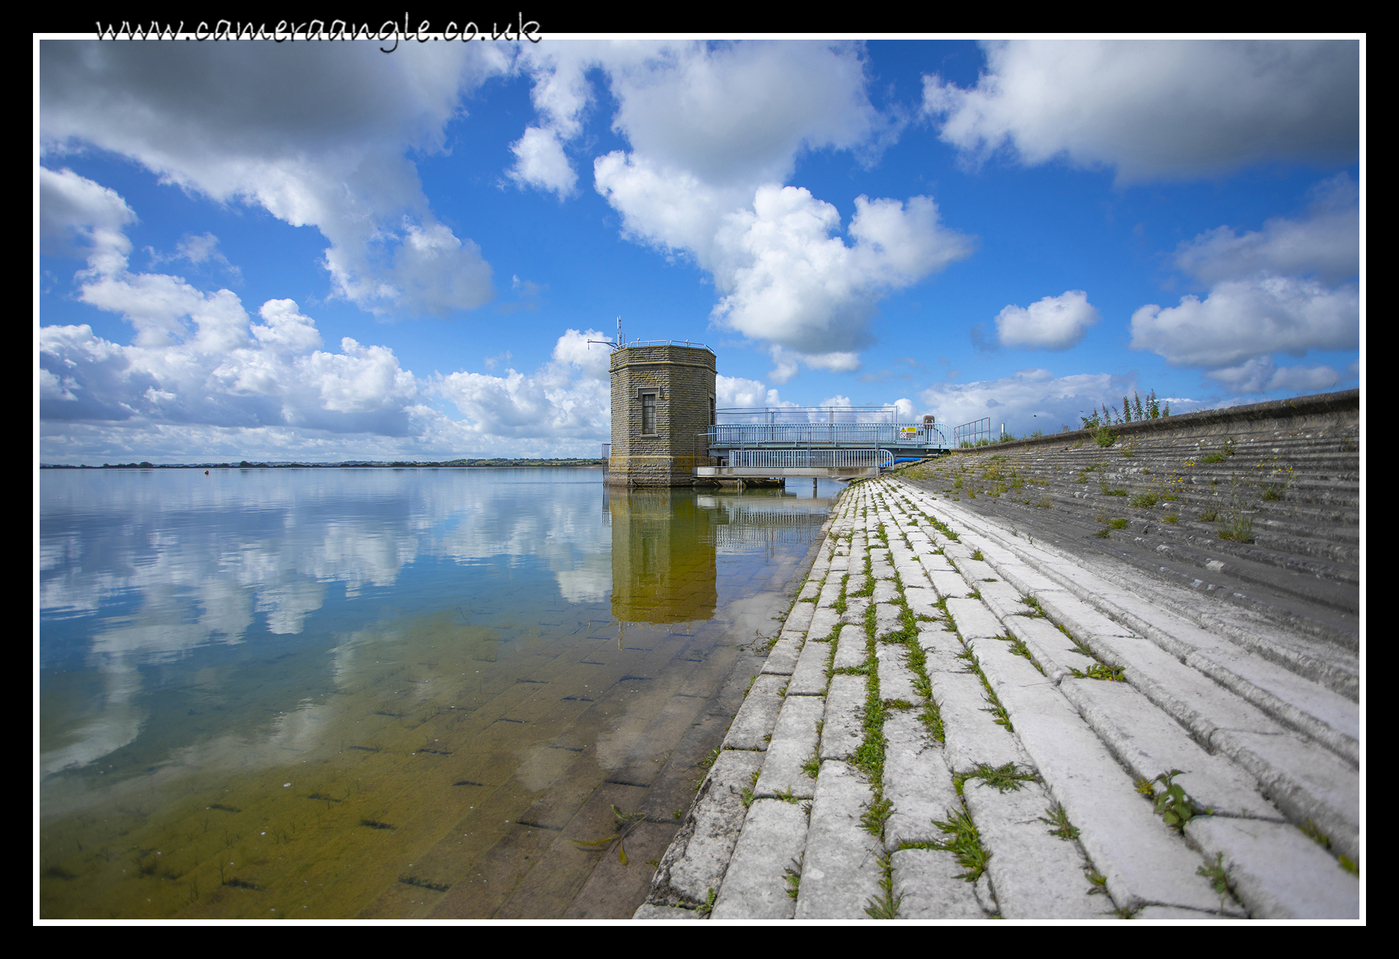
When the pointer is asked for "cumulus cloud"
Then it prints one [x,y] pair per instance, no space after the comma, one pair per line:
[714,131]
[734,392]
[1241,319]
[81,218]
[787,280]
[1289,287]
[540,162]
[1157,108]
[1054,323]
[1027,400]
[568,398]
[201,373]
[1325,244]
[222,122]
[1260,375]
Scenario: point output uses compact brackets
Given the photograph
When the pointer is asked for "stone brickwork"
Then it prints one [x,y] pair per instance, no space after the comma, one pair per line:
[662,397]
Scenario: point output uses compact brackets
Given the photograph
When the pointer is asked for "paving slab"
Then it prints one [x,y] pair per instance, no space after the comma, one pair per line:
[1144,861]
[758,714]
[971,733]
[841,870]
[896,679]
[1054,651]
[799,618]
[774,835]
[794,741]
[974,620]
[842,728]
[823,623]
[809,676]
[699,856]
[921,601]
[928,880]
[1149,743]
[917,781]
[782,658]
[1275,870]
[1035,875]
[888,619]
[852,647]
[948,583]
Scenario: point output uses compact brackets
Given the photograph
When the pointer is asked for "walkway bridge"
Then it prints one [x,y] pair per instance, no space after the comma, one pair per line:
[816,442]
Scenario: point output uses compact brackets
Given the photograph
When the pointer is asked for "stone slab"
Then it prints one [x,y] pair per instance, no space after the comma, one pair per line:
[757,715]
[698,858]
[1035,874]
[1144,861]
[896,679]
[774,835]
[1277,871]
[916,781]
[843,724]
[809,676]
[974,620]
[841,870]
[1150,743]
[927,880]
[794,741]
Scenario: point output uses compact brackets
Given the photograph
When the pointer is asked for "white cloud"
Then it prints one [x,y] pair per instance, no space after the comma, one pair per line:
[1325,244]
[1025,401]
[1241,319]
[1053,323]
[733,392]
[1289,287]
[316,136]
[714,131]
[540,162]
[1259,375]
[785,279]
[739,113]
[1157,108]
[569,398]
[78,217]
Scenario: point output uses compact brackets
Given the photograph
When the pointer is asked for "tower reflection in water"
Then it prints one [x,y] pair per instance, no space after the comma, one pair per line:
[666,544]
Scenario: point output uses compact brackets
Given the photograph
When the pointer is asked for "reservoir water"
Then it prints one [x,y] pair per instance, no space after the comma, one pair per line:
[331,693]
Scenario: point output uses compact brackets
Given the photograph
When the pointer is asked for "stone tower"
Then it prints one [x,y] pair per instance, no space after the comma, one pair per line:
[662,397]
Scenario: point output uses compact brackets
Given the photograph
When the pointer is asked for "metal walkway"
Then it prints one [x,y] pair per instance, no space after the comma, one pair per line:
[841,443]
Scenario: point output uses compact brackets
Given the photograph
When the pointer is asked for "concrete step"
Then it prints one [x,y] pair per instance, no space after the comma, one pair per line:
[992,775]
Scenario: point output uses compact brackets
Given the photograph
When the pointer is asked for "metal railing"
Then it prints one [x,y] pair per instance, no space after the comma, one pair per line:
[970,433]
[739,435]
[810,458]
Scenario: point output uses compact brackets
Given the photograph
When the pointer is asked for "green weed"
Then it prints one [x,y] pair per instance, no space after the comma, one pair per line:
[1101,671]
[1218,877]
[1173,804]
[965,844]
[792,876]
[625,822]
[1004,778]
[885,906]
[1059,820]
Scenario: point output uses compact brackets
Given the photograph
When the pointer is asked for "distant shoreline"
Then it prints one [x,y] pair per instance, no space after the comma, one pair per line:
[349,464]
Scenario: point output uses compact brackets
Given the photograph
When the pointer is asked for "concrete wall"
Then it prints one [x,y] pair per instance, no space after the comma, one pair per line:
[680,379]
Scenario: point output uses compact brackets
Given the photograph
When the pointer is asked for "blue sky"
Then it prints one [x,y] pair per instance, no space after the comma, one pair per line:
[319,251]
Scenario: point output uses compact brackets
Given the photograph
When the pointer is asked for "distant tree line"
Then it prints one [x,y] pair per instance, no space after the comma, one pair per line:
[396,464]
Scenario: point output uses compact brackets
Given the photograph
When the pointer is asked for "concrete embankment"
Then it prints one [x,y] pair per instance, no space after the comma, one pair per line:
[961,720]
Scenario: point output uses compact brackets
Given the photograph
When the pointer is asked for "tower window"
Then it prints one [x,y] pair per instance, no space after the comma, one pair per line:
[648,413]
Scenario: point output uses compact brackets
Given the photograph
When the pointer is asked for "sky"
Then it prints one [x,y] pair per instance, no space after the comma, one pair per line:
[319,251]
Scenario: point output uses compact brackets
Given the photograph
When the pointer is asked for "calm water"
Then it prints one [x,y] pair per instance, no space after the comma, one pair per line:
[328,693]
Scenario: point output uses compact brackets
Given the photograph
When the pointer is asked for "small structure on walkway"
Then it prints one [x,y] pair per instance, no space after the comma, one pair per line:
[667,432]
[662,399]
